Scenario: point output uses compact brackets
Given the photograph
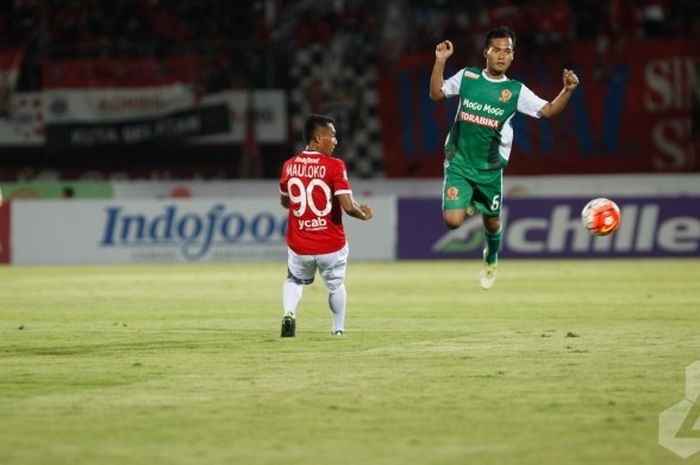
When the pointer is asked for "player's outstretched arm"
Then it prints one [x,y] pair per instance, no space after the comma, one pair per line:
[443,51]
[362,212]
[556,106]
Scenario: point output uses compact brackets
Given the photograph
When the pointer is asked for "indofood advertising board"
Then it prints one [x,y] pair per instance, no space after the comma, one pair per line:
[168,231]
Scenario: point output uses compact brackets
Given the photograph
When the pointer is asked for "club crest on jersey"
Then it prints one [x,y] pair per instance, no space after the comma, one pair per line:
[505,95]
[471,75]
[452,193]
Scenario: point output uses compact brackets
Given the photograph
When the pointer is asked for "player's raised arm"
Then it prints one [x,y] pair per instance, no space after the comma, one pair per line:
[556,106]
[443,51]
[352,208]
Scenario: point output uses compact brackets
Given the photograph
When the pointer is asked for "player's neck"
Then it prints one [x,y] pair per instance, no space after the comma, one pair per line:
[312,148]
[494,75]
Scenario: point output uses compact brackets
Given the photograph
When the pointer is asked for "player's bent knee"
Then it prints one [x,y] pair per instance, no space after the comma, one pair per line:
[453,218]
[333,285]
[453,223]
[492,224]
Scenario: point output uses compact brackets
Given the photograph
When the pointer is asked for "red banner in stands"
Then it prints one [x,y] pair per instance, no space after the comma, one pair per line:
[632,113]
[120,73]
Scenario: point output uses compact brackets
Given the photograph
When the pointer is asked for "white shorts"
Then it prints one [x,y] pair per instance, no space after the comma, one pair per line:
[331,267]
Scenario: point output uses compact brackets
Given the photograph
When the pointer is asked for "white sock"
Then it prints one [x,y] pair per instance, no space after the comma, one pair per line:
[291,295]
[336,300]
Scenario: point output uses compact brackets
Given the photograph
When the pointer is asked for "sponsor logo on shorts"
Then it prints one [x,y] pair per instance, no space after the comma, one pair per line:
[452,193]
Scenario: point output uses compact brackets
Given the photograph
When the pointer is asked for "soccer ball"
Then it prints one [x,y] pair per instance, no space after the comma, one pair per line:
[601,216]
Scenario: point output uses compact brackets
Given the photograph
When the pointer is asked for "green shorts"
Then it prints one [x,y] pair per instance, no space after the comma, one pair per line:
[483,188]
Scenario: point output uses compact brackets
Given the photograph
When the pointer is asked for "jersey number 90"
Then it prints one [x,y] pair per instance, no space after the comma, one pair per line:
[302,198]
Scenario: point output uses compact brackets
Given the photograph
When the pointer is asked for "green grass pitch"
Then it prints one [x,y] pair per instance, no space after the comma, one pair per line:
[562,362]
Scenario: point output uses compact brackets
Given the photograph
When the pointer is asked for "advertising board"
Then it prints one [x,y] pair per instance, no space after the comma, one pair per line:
[551,228]
[147,231]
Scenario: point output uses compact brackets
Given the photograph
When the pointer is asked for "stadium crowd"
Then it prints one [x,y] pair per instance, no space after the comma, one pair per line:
[323,53]
[248,42]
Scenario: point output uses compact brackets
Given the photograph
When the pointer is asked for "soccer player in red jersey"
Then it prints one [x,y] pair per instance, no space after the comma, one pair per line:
[314,187]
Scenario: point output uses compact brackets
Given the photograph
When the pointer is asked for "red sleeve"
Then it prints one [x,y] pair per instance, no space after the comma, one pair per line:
[341,184]
[283,180]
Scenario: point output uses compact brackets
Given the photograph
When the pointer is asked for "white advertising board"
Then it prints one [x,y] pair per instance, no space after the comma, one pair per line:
[149,231]
[102,105]
[99,105]
[29,111]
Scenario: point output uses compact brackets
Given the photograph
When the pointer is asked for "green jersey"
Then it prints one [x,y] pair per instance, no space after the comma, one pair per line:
[482,135]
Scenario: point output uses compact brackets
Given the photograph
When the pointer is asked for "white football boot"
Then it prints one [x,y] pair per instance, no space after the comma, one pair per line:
[487,277]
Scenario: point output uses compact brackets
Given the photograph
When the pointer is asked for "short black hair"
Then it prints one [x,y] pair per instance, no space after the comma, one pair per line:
[313,123]
[499,33]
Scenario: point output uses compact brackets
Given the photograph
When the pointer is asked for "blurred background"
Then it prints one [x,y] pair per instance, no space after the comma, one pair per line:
[185,89]
[155,130]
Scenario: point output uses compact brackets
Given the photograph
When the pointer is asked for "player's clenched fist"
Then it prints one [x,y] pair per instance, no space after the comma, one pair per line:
[369,214]
[570,79]
[444,50]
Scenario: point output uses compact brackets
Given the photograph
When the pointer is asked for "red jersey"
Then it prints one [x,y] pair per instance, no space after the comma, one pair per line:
[312,181]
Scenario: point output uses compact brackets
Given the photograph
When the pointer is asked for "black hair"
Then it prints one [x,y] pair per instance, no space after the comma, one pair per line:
[313,123]
[499,33]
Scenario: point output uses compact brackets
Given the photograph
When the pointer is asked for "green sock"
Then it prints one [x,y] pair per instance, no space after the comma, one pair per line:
[493,243]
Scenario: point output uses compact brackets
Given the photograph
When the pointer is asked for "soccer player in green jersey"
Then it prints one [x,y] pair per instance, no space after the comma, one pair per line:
[478,146]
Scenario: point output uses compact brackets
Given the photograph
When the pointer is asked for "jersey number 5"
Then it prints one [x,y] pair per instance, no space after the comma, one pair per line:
[303,198]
